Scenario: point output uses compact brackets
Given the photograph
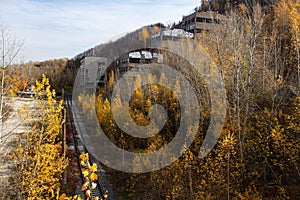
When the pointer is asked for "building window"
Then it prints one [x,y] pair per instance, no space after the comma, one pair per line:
[200,19]
[124,61]
[209,21]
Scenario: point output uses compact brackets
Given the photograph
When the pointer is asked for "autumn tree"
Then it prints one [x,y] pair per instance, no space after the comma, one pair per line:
[38,160]
[256,156]
[287,25]
[144,35]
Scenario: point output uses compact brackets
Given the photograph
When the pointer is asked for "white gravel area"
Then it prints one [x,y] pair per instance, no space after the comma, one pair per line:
[11,128]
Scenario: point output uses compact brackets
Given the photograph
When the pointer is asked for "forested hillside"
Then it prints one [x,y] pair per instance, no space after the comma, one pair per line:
[21,76]
[257,157]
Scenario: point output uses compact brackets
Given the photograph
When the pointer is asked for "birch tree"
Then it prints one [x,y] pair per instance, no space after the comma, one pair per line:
[10,48]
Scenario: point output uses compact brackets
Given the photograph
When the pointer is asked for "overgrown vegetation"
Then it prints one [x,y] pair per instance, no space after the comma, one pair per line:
[257,156]
[60,72]
[38,157]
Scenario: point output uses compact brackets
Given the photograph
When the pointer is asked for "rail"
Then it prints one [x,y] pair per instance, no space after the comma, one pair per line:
[79,147]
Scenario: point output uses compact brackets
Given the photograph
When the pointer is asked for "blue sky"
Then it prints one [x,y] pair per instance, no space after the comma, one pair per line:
[57,28]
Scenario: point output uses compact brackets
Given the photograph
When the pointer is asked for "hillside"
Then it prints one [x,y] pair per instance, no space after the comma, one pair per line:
[254,58]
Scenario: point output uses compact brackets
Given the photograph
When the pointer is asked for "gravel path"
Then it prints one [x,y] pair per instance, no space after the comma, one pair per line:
[11,128]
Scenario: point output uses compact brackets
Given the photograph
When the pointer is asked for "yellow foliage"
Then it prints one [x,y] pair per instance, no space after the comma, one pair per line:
[39,162]
[144,34]
[63,196]
[84,156]
[94,167]
[85,173]
[250,193]
[82,163]
[94,177]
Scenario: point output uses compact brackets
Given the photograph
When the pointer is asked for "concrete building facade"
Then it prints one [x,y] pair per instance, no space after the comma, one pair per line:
[91,71]
[198,22]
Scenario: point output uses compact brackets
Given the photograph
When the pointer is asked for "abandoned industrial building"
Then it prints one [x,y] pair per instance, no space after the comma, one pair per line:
[198,22]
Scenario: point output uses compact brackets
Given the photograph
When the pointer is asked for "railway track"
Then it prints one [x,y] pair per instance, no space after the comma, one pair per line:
[100,190]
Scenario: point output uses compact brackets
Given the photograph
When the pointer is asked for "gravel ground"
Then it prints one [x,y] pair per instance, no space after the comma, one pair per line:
[11,128]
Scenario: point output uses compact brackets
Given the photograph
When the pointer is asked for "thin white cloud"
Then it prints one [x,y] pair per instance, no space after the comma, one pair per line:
[54,29]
